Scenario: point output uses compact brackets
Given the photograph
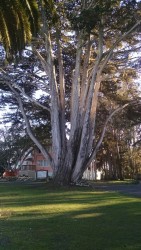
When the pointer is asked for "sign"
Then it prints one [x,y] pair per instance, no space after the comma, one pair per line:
[41,174]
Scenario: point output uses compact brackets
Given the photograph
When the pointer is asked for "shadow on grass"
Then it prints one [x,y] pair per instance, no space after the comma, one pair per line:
[68,219]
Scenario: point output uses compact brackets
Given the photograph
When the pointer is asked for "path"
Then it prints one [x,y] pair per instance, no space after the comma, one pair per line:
[130,189]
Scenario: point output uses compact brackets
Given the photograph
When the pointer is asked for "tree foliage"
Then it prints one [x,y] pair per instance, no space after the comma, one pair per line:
[19,20]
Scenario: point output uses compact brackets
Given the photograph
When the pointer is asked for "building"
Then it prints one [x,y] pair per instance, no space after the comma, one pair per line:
[33,164]
[92,173]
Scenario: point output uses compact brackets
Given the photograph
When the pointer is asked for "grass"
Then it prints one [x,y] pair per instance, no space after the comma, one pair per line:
[45,218]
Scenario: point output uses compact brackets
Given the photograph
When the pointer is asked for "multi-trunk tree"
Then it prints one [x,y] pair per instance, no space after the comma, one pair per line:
[76,43]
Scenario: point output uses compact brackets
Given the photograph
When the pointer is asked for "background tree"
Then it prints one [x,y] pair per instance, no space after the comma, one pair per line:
[12,147]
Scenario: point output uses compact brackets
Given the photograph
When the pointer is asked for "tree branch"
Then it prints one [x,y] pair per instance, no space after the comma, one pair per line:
[28,97]
[30,133]
[75,95]
[93,154]
[110,52]
[62,89]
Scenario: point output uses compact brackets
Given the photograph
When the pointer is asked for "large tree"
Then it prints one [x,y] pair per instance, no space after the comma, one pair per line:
[78,40]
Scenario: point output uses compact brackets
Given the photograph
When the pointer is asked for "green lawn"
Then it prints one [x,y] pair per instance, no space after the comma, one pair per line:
[45,218]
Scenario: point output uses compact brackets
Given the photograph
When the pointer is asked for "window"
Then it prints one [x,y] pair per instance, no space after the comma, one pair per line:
[42,163]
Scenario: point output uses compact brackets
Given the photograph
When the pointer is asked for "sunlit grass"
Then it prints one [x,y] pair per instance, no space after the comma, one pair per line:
[36,218]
